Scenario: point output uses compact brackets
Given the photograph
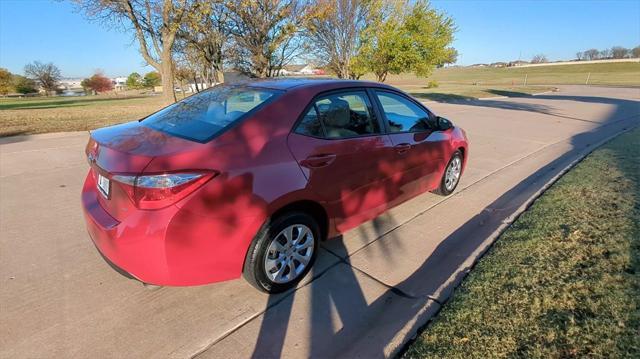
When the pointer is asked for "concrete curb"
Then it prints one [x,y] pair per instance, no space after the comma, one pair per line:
[495,235]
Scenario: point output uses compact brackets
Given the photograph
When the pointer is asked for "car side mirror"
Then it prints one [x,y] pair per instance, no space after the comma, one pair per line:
[443,124]
[431,122]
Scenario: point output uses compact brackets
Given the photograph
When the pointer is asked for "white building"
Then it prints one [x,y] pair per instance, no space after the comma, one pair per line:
[70,84]
[119,83]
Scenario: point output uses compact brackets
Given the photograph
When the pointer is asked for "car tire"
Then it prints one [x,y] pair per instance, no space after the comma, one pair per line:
[454,165]
[264,253]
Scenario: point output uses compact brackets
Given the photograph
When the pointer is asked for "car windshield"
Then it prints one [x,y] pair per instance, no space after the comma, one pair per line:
[202,116]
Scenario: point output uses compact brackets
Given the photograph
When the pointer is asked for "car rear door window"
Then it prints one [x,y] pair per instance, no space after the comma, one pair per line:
[402,115]
[202,116]
[340,115]
[310,124]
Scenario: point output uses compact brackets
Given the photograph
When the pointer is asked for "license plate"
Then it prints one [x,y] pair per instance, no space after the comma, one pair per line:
[103,185]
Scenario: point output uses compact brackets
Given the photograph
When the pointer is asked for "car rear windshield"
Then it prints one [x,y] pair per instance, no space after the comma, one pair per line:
[203,116]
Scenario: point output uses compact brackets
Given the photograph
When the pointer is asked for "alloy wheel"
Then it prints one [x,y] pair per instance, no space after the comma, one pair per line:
[453,173]
[289,253]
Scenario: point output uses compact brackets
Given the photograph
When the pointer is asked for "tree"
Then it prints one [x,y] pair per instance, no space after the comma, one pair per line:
[619,52]
[635,52]
[539,59]
[155,24]
[153,79]
[24,85]
[591,54]
[335,28]
[46,75]
[431,33]
[97,83]
[86,86]
[134,81]
[386,47]
[580,55]
[264,35]
[203,39]
[183,75]
[6,81]
[605,54]
[450,58]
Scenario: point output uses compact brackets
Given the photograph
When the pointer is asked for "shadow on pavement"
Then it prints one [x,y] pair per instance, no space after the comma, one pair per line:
[344,324]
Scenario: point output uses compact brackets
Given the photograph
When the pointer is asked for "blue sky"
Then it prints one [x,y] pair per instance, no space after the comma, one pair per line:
[489,31]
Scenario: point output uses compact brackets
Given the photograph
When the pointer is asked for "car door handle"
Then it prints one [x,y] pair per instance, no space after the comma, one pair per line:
[317,161]
[402,147]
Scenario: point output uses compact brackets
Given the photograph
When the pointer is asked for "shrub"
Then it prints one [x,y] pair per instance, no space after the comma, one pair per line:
[432,84]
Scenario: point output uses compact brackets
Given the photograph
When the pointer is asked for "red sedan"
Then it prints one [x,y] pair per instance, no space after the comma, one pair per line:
[248,178]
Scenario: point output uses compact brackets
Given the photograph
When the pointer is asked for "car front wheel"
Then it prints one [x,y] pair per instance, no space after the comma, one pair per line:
[282,252]
[451,175]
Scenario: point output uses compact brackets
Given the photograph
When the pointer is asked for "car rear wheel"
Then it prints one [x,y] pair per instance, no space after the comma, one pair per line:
[451,175]
[282,252]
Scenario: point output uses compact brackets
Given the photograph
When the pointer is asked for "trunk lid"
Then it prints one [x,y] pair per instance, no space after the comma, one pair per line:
[126,149]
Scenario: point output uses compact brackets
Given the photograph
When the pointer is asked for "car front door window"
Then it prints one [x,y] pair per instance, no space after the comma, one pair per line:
[402,115]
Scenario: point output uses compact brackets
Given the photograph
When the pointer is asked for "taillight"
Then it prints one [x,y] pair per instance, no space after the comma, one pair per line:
[161,190]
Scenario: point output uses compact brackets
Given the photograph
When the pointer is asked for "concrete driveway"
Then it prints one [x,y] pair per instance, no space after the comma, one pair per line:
[370,290]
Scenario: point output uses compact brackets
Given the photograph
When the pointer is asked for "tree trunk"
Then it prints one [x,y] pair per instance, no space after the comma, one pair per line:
[195,81]
[168,93]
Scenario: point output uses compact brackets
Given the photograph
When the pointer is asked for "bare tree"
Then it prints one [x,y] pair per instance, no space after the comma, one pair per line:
[619,52]
[264,35]
[592,54]
[539,59]
[334,28]
[635,52]
[580,55]
[155,23]
[45,75]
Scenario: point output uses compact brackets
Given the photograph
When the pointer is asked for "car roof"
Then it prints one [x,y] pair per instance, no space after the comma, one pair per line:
[289,83]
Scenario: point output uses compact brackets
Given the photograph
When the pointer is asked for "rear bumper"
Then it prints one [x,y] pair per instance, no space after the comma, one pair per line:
[171,246]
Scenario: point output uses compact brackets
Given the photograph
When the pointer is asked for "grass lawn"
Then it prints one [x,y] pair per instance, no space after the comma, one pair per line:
[564,280]
[56,114]
[618,74]
[462,83]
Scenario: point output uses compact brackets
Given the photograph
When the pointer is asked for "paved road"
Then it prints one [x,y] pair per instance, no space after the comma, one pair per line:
[369,292]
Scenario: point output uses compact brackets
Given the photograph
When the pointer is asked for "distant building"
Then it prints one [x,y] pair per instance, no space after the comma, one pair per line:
[517,63]
[300,70]
[119,83]
[499,64]
[70,84]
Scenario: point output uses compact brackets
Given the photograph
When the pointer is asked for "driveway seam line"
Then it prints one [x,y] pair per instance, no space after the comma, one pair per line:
[256,315]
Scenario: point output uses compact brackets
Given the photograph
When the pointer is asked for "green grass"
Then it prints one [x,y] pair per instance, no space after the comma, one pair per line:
[622,74]
[564,280]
